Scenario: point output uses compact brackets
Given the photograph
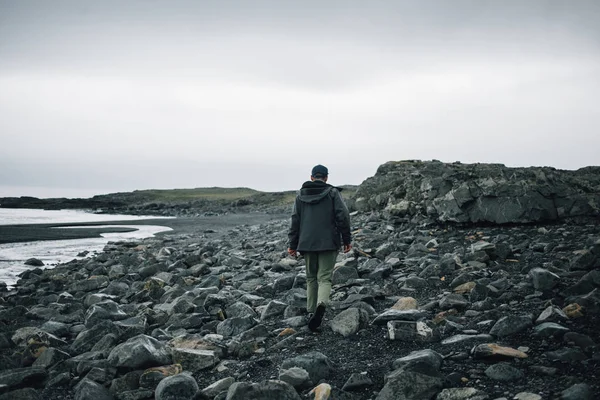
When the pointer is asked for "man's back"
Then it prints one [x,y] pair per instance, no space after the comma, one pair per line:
[320,220]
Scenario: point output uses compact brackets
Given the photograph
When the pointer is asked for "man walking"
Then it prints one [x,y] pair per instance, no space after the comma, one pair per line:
[320,226]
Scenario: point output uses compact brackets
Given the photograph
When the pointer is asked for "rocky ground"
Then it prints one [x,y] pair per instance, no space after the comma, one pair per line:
[417,312]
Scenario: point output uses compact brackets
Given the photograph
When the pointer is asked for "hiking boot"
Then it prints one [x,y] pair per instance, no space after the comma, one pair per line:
[317,318]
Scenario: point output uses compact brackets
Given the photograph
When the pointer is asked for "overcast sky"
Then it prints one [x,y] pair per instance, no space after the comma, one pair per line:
[120,95]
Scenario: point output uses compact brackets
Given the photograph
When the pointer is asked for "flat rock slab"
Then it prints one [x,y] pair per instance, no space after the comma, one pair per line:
[482,337]
[427,356]
[488,350]
[399,315]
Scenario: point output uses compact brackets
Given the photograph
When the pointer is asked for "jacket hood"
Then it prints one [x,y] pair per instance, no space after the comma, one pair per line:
[314,191]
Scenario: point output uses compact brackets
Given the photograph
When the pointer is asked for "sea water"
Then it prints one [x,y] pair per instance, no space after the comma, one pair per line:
[53,252]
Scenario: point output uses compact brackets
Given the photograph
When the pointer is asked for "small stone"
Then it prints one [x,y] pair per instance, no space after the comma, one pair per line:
[582,341]
[321,392]
[406,331]
[527,396]
[316,364]
[262,391]
[50,357]
[551,314]
[543,279]
[550,329]
[399,315]
[573,310]
[350,321]
[453,300]
[503,372]
[273,309]
[344,274]
[427,356]
[235,326]
[139,352]
[297,377]
[464,393]
[177,387]
[416,384]
[510,325]
[357,382]
[580,391]
[152,376]
[405,303]
[464,288]
[466,338]
[194,360]
[87,389]
[14,378]
[34,262]
[286,332]
[566,355]
[218,387]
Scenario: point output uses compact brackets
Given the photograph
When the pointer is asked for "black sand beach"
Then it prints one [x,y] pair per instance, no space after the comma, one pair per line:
[195,225]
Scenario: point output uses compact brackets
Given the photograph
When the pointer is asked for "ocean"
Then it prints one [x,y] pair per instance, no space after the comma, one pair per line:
[53,252]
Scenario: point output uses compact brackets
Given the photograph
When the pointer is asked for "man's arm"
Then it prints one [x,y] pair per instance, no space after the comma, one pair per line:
[294,233]
[342,220]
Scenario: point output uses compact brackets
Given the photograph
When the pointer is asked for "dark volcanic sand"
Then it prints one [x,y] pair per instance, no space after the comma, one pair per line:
[189,225]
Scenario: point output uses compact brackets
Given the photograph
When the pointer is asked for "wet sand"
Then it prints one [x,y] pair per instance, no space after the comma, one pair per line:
[195,225]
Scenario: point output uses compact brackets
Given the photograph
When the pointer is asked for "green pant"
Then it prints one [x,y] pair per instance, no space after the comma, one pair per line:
[319,270]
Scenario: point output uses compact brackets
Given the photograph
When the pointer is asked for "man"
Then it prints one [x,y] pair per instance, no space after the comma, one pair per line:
[320,226]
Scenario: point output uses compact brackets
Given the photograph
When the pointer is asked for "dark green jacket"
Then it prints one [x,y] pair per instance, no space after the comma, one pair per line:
[320,220]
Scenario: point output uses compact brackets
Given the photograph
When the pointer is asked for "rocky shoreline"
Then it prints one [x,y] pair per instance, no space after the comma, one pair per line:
[454,313]
[419,310]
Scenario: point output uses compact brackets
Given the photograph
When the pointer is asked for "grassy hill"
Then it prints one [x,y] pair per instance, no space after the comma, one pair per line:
[172,201]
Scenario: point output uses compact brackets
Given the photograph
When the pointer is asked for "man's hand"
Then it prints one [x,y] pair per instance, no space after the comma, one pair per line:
[347,248]
[292,252]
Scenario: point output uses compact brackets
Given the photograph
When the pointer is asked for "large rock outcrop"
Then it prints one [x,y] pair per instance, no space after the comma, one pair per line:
[480,193]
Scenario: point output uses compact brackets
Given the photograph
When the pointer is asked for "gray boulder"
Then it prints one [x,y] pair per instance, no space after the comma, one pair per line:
[86,339]
[427,356]
[350,321]
[466,393]
[268,390]
[579,391]
[344,274]
[408,384]
[316,364]
[140,352]
[510,325]
[399,315]
[218,387]
[235,326]
[105,310]
[88,389]
[504,372]
[543,279]
[177,387]
[297,377]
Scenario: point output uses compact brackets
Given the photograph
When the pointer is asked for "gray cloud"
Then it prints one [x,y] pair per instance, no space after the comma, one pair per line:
[129,95]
